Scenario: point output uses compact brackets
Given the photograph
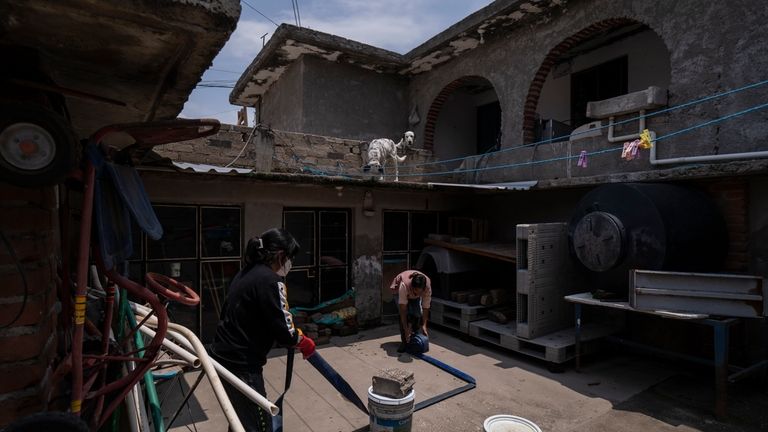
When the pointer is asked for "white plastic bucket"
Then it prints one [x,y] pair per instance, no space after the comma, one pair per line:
[390,415]
[509,423]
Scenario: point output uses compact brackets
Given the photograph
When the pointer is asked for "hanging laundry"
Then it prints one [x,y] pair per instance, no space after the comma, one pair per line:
[645,140]
[582,162]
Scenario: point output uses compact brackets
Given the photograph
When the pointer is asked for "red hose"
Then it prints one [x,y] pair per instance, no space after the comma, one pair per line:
[172,289]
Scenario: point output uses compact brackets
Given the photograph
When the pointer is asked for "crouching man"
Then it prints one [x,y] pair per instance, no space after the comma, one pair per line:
[412,292]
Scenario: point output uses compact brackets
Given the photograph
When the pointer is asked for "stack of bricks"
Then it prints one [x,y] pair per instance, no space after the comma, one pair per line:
[29,223]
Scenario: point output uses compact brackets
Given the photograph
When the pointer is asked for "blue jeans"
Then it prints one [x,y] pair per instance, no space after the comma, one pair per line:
[414,317]
[253,417]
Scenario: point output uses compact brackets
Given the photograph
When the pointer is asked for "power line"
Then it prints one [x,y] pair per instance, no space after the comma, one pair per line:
[259,12]
[217,113]
[295,16]
[223,70]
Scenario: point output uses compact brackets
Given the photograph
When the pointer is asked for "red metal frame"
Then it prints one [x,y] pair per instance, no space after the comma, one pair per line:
[112,394]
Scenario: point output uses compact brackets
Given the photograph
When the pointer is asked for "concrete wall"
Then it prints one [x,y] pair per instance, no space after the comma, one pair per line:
[263,204]
[647,64]
[717,48]
[348,102]
[282,105]
[456,129]
[220,149]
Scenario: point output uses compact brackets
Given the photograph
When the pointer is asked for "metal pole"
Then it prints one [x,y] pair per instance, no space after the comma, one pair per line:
[186,399]
[721,366]
[577,312]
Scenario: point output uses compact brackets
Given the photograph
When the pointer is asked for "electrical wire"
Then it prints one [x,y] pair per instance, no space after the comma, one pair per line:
[259,12]
[295,16]
[242,149]
[225,71]
[12,253]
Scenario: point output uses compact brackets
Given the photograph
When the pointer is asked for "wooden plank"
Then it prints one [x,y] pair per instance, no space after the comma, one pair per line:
[500,251]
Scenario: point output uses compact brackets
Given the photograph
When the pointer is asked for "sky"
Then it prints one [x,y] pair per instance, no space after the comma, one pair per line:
[395,25]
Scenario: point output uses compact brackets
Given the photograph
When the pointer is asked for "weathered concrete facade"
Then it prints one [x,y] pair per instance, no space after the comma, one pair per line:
[263,201]
[527,51]
[530,56]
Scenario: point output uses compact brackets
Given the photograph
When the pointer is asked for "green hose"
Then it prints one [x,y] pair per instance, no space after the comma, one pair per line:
[149,382]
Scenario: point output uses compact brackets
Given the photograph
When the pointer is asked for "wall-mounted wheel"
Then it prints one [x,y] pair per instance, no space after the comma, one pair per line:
[37,146]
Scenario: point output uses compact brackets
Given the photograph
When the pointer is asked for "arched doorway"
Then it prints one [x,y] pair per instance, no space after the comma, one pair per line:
[464,119]
[607,59]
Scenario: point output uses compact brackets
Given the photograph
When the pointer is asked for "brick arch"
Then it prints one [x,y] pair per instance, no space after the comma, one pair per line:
[534,91]
[437,106]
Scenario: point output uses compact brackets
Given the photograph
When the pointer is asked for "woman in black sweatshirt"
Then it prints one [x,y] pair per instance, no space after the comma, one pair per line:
[255,316]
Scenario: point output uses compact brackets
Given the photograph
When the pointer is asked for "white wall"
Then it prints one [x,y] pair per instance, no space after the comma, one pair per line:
[647,63]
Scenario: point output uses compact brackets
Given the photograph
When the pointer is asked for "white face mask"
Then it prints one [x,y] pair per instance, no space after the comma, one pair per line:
[285,268]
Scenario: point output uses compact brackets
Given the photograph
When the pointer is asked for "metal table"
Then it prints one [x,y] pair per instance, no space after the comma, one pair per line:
[720,326]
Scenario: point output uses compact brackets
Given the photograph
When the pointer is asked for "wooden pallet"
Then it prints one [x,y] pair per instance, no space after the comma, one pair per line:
[558,347]
[455,315]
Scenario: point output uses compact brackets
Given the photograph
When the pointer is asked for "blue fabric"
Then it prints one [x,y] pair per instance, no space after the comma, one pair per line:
[131,189]
[336,380]
[112,224]
[419,344]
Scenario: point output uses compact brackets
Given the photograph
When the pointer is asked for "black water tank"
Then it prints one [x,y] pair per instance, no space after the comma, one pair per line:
[618,227]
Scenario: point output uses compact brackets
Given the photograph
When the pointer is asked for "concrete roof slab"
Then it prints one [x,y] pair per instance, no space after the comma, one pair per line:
[148,55]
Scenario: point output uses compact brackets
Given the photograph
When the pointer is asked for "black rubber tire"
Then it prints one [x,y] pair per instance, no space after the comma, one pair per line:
[48,421]
[66,145]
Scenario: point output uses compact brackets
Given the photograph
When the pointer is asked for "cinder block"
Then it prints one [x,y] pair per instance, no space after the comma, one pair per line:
[394,383]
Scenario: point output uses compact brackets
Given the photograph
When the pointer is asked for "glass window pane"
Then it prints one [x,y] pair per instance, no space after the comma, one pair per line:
[301,224]
[220,229]
[179,233]
[333,238]
[422,224]
[302,290]
[185,272]
[395,231]
[333,283]
[216,277]
[393,265]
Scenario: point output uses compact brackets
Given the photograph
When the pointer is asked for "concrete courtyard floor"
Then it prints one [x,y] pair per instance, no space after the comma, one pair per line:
[612,392]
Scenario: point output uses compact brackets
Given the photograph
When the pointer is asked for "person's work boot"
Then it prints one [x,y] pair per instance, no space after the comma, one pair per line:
[401,348]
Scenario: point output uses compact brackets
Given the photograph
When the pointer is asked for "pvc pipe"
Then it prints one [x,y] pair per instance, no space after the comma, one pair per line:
[213,376]
[705,158]
[149,380]
[236,382]
[172,347]
[612,138]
